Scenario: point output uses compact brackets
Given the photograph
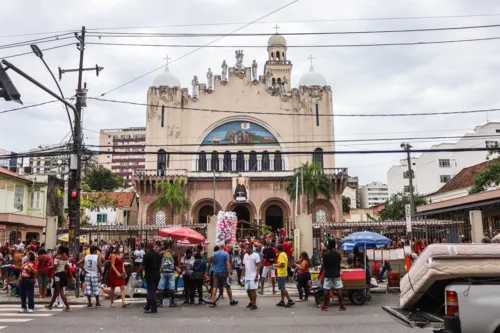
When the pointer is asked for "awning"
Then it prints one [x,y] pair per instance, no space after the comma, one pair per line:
[458,207]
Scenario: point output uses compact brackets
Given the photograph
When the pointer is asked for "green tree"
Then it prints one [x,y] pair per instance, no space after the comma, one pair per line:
[395,207]
[489,177]
[102,179]
[315,182]
[172,196]
[86,188]
[346,204]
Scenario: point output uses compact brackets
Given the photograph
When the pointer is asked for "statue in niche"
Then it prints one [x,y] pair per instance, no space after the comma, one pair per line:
[269,80]
[224,71]
[210,77]
[284,87]
[239,59]
[195,85]
[254,71]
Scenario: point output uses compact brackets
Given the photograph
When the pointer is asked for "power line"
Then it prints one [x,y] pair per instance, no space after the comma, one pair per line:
[263,22]
[255,34]
[47,49]
[199,48]
[471,137]
[306,46]
[28,106]
[35,41]
[338,152]
[301,114]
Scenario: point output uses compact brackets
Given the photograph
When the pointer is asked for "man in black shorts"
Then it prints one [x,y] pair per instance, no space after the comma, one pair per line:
[222,270]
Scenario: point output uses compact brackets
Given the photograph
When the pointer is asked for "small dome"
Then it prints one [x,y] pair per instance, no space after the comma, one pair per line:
[166,79]
[276,40]
[312,78]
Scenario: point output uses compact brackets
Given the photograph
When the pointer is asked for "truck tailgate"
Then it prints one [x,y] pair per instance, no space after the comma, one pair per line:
[415,318]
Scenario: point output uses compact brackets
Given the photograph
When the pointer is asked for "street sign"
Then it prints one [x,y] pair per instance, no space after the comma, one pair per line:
[65,195]
[408,217]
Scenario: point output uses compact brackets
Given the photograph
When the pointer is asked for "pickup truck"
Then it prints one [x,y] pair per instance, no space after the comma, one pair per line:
[465,307]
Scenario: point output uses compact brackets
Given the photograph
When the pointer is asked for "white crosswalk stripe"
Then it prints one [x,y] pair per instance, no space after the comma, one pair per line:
[9,314]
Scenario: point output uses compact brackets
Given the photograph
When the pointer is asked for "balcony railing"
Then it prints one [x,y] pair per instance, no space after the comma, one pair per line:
[245,164]
[161,173]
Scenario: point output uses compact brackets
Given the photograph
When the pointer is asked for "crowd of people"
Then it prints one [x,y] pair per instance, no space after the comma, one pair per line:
[249,263]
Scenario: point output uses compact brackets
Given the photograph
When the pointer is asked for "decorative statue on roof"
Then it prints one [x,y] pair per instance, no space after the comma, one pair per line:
[195,85]
[224,71]
[254,71]
[239,59]
[269,80]
[210,77]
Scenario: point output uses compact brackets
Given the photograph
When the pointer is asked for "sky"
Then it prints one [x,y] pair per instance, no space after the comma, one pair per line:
[391,79]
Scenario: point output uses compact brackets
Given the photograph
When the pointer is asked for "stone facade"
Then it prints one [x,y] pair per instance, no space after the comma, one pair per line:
[241,124]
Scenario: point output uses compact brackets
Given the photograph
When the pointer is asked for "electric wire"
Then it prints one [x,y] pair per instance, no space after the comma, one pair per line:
[31,52]
[302,114]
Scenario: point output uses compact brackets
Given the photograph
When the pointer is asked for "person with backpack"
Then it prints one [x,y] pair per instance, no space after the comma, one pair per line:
[198,276]
[270,255]
[238,266]
[167,276]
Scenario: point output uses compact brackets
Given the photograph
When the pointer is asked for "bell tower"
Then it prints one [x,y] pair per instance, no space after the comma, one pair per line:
[277,62]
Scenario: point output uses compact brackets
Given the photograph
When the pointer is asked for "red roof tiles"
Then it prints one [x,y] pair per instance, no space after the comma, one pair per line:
[9,173]
[123,199]
[465,178]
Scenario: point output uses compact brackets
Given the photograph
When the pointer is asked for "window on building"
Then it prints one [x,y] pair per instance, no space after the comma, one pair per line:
[318,157]
[228,163]
[320,216]
[265,161]
[36,200]
[253,161]
[102,218]
[161,163]
[278,162]
[240,161]
[214,163]
[491,144]
[444,163]
[406,175]
[202,161]
[497,130]
[18,197]
[162,115]
[445,178]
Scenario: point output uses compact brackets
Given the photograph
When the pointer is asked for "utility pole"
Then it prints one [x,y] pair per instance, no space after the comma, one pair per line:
[406,147]
[74,183]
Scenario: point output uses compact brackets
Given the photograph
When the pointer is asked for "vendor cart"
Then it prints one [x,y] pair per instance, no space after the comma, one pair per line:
[355,288]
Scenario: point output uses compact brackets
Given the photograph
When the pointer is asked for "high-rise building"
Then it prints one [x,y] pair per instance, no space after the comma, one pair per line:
[373,194]
[126,151]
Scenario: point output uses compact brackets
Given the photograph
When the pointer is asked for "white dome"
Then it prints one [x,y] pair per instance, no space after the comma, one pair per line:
[276,40]
[312,78]
[166,79]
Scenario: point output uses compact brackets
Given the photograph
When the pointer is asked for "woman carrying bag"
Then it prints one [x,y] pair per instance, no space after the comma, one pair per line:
[27,284]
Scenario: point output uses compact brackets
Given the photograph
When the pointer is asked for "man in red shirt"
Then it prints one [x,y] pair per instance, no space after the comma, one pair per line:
[270,255]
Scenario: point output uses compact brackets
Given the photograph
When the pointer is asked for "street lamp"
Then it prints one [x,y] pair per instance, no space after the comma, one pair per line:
[36,50]
[406,147]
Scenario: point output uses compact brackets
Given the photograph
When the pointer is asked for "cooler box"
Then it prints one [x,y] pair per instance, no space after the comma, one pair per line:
[355,277]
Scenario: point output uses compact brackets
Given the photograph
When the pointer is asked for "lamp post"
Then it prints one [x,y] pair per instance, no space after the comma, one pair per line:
[406,147]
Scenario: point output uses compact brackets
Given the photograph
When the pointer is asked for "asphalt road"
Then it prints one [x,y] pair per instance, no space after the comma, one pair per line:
[304,317]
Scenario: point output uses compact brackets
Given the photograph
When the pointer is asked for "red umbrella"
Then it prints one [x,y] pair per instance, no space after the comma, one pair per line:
[182,234]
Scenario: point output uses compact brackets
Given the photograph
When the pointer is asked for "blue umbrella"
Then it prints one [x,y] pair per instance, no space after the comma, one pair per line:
[364,239]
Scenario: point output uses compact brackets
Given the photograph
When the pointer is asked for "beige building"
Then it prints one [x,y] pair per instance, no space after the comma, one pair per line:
[247,122]
[129,142]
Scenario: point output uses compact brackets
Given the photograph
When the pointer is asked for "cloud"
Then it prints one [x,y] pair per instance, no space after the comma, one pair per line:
[423,78]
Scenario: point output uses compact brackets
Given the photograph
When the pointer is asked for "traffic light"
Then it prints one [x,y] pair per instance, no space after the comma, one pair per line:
[7,89]
[73,199]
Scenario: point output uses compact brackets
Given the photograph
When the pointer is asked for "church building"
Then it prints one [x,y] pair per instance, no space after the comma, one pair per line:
[242,123]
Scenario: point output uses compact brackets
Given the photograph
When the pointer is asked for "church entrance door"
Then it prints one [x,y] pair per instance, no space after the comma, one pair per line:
[274,217]
[243,215]
[205,213]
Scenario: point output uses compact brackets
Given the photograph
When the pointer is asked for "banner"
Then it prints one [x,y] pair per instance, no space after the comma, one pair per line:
[227,224]
[240,189]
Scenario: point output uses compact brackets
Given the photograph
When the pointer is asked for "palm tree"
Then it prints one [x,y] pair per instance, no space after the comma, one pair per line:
[315,183]
[173,196]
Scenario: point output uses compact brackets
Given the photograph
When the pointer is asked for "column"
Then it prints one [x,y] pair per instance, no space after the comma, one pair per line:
[259,162]
[233,162]
[271,162]
[221,164]
[247,162]
[209,164]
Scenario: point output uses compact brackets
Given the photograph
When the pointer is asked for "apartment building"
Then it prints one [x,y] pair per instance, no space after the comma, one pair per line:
[122,150]
[373,194]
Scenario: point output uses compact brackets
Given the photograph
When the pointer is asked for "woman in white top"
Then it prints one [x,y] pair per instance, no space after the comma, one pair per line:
[60,265]
[138,255]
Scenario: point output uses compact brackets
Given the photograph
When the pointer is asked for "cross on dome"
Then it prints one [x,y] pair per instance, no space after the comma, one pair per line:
[167,58]
[311,58]
[277,27]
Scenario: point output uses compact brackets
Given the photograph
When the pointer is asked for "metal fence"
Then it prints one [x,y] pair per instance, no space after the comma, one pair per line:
[128,234]
[430,231]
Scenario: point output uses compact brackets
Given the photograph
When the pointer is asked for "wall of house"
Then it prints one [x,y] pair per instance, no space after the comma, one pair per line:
[114,216]
[7,195]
